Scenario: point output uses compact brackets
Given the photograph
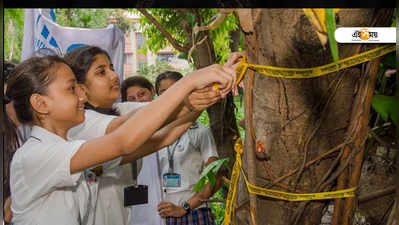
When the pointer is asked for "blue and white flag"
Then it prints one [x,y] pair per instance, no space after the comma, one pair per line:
[42,32]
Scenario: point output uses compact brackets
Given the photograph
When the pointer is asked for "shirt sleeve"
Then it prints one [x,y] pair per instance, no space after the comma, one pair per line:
[94,126]
[206,143]
[49,168]
[126,107]
[109,165]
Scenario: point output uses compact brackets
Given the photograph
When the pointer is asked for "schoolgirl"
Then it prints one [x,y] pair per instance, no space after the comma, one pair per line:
[47,171]
[94,73]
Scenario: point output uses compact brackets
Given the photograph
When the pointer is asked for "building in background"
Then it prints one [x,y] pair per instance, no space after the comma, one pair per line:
[135,59]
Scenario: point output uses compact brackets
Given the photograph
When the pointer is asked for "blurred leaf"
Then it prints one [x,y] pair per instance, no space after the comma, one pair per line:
[387,107]
[317,17]
[209,174]
[204,118]
[13,30]
[191,18]
[330,22]
[389,60]
[200,185]
[172,21]
[182,56]
[212,178]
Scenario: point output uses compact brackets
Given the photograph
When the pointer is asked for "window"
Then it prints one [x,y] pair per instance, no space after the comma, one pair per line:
[142,64]
[140,40]
[166,57]
[128,58]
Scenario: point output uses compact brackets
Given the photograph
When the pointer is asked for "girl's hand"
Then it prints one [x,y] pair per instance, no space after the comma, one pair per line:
[234,58]
[224,76]
[201,99]
[209,75]
[169,209]
[232,63]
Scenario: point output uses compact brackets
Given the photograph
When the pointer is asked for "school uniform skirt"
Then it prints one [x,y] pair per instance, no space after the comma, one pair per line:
[201,216]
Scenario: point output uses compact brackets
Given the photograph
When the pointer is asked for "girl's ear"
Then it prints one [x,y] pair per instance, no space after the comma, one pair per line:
[81,90]
[83,87]
[39,103]
[85,90]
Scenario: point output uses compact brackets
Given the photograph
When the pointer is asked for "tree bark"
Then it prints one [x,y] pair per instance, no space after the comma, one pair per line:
[235,37]
[299,119]
[359,125]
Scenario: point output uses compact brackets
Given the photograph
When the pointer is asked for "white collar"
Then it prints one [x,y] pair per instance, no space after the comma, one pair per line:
[43,134]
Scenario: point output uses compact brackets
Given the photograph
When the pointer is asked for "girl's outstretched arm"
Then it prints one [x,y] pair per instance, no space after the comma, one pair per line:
[140,127]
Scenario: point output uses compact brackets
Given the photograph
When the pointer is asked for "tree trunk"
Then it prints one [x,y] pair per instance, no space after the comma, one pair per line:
[298,119]
[235,37]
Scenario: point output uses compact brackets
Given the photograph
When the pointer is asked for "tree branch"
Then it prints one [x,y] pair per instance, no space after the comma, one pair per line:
[377,194]
[167,35]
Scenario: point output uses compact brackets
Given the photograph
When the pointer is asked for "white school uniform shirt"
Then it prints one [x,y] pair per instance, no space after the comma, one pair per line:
[110,208]
[43,189]
[192,151]
[95,125]
[23,133]
[147,214]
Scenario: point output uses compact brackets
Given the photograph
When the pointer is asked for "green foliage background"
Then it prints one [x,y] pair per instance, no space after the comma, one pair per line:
[152,71]
[92,18]
[178,21]
[13,34]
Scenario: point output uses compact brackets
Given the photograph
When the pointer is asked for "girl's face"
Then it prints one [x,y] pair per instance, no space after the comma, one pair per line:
[138,94]
[164,85]
[102,85]
[64,100]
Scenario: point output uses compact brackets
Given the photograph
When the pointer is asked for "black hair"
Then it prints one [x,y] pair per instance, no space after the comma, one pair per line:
[9,134]
[8,68]
[135,81]
[167,75]
[80,60]
[30,76]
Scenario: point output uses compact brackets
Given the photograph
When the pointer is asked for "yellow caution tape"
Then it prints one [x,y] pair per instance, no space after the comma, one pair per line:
[233,183]
[315,71]
[253,189]
[298,73]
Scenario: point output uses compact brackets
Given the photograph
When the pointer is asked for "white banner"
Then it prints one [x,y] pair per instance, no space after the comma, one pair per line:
[365,35]
[42,32]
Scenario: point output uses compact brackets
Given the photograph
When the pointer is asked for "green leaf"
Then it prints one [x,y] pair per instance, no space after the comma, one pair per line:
[387,107]
[389,60]
[191,18]
[182,56]
[209,174]
[330,22]
[211,178]
[200,185]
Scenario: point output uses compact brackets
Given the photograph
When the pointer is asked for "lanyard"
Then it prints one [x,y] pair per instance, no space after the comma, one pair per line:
[171,155]
[85,217]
